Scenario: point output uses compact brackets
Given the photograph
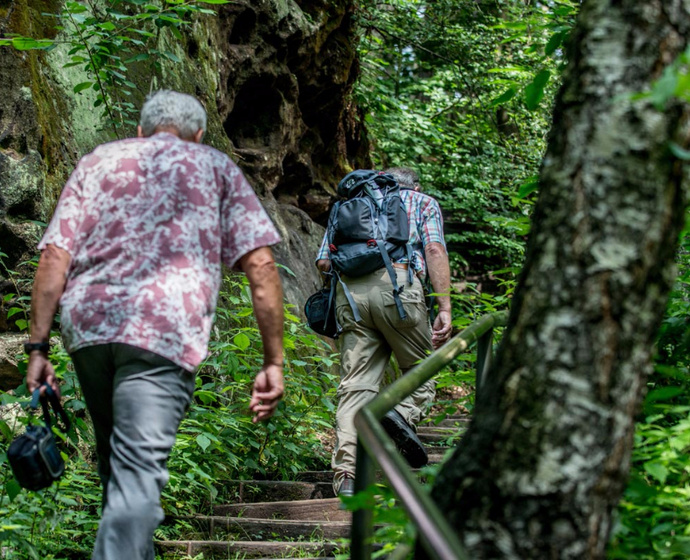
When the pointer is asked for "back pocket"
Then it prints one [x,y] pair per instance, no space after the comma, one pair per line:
[413,304]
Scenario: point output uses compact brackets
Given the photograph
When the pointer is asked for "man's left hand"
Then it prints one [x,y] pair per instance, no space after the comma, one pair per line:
[442,329]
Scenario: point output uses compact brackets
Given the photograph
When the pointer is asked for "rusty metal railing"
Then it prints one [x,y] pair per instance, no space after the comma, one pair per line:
[376,448]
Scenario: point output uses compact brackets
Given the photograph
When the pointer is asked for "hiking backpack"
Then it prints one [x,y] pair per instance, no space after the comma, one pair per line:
[369,230]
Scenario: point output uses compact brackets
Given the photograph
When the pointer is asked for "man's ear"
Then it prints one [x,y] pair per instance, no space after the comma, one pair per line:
[140,132]
[198,136]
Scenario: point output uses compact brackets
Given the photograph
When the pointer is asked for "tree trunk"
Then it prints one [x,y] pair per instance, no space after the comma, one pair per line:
[546,457]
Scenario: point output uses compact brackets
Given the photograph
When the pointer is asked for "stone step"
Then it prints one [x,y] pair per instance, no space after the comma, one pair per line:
[246,491]
[316,510]
[222,550]
[201,527]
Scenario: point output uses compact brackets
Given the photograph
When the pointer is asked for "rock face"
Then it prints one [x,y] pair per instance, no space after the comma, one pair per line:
[275,77]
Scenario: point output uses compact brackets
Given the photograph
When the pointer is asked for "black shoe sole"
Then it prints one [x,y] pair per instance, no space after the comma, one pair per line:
[406,441]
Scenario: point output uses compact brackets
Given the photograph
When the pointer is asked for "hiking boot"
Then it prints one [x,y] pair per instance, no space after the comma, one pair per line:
[405,439]
[347,487]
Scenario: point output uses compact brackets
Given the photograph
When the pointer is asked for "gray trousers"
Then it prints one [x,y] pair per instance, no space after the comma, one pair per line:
[136,400]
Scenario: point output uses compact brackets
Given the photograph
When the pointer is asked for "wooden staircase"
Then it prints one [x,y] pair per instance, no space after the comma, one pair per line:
[283,519]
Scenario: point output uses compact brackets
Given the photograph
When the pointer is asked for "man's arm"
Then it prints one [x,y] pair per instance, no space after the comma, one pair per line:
[438,269]
[267,296]
[49,285]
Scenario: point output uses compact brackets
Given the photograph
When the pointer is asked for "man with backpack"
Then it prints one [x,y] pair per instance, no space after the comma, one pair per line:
[380,244]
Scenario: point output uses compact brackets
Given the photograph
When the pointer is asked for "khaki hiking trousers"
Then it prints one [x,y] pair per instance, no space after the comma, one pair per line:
[365,351]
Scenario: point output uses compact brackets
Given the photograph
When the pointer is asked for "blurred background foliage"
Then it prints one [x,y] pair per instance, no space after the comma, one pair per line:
[461,91]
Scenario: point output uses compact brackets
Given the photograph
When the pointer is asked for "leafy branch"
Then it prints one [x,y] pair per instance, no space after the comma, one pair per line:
[107,42]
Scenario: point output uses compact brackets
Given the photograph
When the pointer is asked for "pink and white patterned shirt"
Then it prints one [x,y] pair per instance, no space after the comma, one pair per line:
[147,222]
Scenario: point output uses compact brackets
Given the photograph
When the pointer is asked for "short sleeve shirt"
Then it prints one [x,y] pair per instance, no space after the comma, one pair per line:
[426,226]
[148,222]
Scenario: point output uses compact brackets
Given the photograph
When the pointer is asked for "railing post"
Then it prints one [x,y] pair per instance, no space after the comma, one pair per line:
[362,519]
[484,347]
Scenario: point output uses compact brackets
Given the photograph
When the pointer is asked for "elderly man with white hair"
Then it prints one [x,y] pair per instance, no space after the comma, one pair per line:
[133,257]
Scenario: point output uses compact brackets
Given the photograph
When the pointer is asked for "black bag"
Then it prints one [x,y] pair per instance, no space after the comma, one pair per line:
[369,231]
[34,457]
[320,312]
[370,227]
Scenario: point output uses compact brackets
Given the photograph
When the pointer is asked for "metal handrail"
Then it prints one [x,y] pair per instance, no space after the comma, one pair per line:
[375,447]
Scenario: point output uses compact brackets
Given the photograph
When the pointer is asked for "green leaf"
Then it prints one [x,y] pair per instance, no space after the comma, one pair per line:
[680,153]
[14,311]
[12,488]
[554,42]
[664,88]
[534,92]
[528,187]
[215,1]
[142,56]
[504,97]
[657,471]
[82,86]
[6,432]
[664,394]
[242,341]
[27,43]
[203,441]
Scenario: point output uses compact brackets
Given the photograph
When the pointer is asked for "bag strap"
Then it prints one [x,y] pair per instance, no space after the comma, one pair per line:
[348,297]
[391,273]
[50,398]
[331,301]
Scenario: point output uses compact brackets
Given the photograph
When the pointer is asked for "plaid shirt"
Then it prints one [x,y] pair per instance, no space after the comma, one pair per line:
[426,226]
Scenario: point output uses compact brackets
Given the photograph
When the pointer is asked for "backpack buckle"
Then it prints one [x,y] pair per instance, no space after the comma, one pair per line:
[332,248]
[371,243]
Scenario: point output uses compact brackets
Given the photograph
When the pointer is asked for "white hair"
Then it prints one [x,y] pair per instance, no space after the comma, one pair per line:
[406,177]
[166,108]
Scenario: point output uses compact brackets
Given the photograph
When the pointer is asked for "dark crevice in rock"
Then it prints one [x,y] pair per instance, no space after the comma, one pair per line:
[255,118]
[243,28]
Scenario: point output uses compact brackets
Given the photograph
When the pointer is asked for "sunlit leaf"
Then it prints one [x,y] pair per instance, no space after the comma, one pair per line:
[82,86]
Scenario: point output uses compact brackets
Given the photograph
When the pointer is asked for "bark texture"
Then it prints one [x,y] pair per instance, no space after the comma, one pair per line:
[546,458]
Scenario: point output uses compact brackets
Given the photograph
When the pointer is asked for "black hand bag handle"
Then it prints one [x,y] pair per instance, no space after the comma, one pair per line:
[34,457]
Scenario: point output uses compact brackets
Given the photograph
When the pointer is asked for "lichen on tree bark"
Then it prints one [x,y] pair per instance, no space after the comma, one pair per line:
[545,460]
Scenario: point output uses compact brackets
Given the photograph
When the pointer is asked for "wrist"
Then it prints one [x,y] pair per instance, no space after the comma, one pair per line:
[274,363]
[31,347]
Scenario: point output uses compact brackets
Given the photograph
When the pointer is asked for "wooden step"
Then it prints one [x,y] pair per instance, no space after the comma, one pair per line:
[245,549]
[326,510]
[315,476]
[246,491]
[250,529]
[432,435]
[449,422]
[437,454]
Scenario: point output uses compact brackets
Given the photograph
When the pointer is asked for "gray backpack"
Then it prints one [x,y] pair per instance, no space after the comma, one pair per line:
[369,230]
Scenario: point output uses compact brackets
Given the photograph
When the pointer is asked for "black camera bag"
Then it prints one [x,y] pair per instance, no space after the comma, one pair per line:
[320,312]
[34,457]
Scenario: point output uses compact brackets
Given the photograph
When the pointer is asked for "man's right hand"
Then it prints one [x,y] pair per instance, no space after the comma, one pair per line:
[442,329]
[267,392]
[40,371]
